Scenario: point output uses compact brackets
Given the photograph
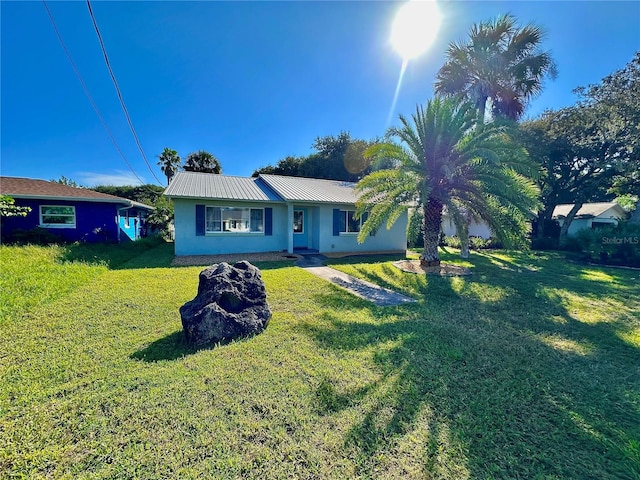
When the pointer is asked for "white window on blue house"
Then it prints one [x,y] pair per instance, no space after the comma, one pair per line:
[348,222]
[57,216]
[234,220]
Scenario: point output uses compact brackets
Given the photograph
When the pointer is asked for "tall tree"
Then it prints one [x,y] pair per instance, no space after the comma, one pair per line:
[446,158]
[338,157]
[615,102]
[67,181]
[500,67]
[203,162]
[169,162]
[589,151]
[289,166]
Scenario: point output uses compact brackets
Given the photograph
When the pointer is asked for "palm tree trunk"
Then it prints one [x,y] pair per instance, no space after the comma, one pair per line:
[464,238]
[432,226]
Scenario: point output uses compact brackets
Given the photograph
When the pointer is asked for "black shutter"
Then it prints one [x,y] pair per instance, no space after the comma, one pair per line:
[200,220]
[268,221]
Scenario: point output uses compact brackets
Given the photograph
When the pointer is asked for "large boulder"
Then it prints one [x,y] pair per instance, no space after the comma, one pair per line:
[231,303]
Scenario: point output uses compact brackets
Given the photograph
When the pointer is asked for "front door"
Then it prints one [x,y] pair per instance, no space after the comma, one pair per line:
[300,228]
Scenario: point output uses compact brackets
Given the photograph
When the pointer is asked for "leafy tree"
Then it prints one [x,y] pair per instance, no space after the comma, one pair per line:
[8,208]
[161,217]
[67,181]
[289,166]
[169,162]
[203,162]
[615,103]
[580,162]
[338,157]
[501,67]
[589,151]
[446,158]
[147,194]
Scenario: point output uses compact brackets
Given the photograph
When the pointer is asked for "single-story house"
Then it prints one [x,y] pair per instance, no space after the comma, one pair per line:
[74,214]
[476,228]
[227,214]
[590,215]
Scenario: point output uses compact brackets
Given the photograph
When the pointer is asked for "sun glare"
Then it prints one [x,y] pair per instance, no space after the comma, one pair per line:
[415,27]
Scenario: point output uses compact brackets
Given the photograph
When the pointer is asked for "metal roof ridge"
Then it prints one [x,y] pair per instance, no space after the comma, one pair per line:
[263,184]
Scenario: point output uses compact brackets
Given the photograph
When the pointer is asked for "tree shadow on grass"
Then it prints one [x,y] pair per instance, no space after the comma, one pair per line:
[174,346]
[504,384]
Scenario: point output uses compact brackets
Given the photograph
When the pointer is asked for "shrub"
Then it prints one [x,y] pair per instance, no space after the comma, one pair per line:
[35,236]
[544,243]
[619,245]
[475,243]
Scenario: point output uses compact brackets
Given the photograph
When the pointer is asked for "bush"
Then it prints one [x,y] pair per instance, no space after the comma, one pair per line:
[35,236]
[475,243]
[619,245]
[544,243]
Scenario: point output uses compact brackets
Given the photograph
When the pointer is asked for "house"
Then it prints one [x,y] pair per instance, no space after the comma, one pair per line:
[477,228]
[227,214]
[590,215]
[74,214]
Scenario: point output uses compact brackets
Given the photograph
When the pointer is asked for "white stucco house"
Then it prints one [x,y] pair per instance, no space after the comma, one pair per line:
[216,214]
[476,228]
[590,215]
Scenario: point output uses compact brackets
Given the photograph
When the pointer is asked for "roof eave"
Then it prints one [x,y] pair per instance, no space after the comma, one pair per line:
[68,199]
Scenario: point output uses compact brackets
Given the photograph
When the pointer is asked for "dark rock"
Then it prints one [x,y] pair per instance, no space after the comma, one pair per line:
[231,303]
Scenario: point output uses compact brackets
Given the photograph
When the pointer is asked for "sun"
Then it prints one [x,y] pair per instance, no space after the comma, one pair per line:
[415,27]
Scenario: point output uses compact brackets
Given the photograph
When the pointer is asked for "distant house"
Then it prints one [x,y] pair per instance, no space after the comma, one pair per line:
[226,214]
[74,214]
[476,228]
[590,215]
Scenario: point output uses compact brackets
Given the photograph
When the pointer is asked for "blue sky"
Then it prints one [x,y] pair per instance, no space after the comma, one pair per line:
[251,82]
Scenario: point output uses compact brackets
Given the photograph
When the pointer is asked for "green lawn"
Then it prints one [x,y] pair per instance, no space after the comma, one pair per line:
[528,369]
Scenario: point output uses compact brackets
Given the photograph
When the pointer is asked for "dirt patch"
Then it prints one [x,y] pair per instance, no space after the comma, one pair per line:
[444,269]
[202,260]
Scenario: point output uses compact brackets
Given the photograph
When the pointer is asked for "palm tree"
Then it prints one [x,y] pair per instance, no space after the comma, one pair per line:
[169,163]
[447,159]
[501,67]
[202,161]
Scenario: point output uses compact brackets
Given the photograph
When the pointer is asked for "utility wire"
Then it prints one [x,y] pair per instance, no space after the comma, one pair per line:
[115,83]
[86,91]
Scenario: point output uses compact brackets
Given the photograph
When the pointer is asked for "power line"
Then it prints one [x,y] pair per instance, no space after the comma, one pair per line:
[86,91]
[115,83]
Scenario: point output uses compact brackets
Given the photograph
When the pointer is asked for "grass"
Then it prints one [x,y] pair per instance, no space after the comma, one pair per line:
[527,369]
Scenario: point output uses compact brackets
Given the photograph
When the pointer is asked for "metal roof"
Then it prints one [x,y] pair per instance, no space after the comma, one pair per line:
[17,187]
[223,187]
[587,210]
[299,189]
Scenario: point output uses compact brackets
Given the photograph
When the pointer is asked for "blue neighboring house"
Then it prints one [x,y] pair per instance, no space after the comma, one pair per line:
[74,214]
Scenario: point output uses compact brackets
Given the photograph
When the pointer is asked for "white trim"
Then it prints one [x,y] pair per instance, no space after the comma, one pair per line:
[56,225]
[346,223]
[232,232]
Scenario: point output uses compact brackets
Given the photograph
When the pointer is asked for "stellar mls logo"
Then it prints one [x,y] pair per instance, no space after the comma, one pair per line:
[620,240]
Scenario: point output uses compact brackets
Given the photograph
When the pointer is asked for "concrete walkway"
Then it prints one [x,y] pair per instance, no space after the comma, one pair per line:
[382,297]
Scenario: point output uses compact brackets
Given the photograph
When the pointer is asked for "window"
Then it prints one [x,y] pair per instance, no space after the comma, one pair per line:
[298,221]
[234,220]
[54,216]
[348,222]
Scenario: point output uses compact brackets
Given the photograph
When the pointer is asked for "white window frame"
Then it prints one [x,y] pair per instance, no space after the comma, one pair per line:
[346,231]
[56,225]
[222,231]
